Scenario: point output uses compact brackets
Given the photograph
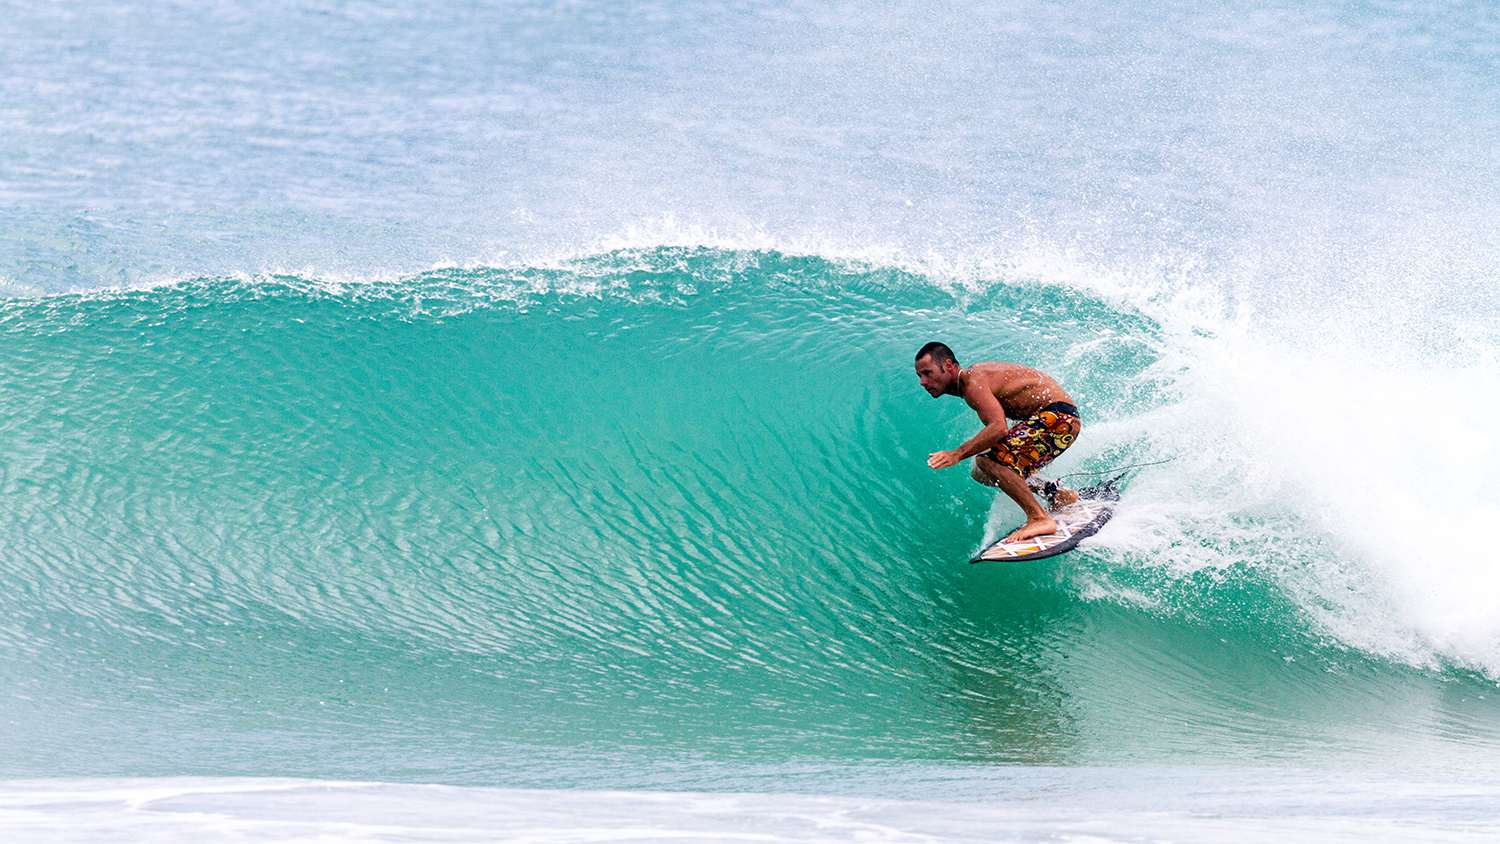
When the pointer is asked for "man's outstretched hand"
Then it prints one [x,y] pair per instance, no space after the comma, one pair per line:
[942,459]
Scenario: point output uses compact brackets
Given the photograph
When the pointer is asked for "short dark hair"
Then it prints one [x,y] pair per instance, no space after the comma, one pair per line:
[940,352]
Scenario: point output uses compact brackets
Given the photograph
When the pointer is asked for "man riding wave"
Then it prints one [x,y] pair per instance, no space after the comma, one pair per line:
[1006,457]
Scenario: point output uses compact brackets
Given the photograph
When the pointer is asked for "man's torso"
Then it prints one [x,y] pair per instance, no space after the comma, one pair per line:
[1022,391]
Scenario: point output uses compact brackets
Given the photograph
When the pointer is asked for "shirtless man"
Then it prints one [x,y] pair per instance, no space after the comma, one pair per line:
[1006,458]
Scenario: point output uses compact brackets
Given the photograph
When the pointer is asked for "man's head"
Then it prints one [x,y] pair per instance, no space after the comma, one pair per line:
[937,368]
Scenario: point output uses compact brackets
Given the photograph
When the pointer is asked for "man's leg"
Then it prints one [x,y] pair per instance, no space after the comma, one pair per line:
[1059,496]
[1010,482]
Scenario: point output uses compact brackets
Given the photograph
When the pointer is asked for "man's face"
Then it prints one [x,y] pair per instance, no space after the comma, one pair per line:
[936,378]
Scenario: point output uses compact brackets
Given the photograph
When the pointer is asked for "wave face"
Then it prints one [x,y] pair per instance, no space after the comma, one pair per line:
[521,394]
[675,501]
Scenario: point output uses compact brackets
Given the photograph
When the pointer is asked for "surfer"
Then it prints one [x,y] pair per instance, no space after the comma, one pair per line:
[1006,457]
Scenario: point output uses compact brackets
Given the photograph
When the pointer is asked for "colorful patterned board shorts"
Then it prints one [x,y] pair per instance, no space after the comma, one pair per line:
[1037,441]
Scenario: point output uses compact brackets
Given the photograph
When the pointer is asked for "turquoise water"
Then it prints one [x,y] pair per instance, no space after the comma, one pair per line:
[521,398]
[660,502]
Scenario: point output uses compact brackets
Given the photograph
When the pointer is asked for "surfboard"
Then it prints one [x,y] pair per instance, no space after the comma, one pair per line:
[1075,523]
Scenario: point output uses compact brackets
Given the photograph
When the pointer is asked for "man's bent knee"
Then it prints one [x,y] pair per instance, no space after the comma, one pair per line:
[985,470]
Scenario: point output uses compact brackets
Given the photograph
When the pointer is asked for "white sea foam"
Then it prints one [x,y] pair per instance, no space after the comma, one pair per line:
[1345,456]
[1092,805]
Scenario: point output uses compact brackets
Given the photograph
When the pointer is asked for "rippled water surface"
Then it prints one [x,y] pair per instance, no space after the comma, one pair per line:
[520,397]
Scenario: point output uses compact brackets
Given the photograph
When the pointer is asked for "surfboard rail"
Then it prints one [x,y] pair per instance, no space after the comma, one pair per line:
[1075,523]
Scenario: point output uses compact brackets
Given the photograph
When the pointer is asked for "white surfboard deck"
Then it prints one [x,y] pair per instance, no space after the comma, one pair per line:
[1075,522]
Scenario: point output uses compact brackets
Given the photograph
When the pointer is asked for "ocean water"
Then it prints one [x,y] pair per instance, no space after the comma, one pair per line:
[497,421]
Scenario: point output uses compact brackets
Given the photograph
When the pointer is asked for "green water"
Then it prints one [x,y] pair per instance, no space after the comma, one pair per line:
[570,525]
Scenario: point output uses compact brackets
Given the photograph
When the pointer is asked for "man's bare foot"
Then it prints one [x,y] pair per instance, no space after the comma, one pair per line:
[1033,527]
[1063,497]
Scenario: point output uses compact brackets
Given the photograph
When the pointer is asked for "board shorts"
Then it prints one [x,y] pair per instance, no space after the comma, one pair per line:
[1039,439]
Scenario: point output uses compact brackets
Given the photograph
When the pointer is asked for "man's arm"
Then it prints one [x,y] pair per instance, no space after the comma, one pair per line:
[991,413]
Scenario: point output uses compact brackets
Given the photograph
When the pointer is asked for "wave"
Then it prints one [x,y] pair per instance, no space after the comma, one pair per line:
[691,481]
